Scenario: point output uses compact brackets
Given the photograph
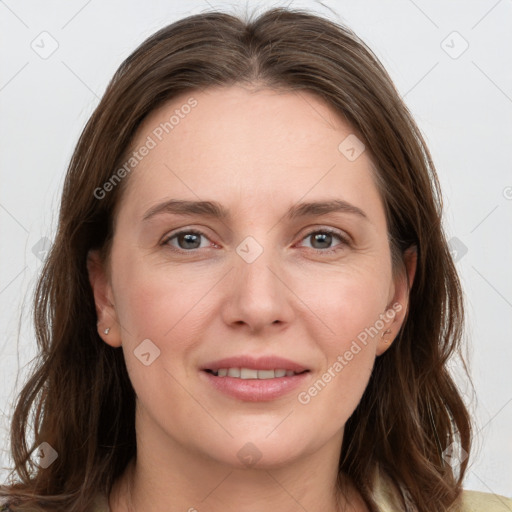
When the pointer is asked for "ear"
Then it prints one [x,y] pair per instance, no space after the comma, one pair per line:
[103,298]
[399,303]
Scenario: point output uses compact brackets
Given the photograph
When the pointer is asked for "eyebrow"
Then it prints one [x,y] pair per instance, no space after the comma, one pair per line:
[214,209]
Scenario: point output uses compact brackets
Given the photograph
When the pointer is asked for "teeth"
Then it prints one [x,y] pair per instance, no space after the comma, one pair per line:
[250,373]
[266,374]
[247,373]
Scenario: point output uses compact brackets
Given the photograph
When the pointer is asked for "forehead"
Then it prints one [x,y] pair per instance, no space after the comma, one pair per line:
[236,142]
[250,122]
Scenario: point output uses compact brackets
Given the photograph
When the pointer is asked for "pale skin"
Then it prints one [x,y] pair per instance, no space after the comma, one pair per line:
[257,153]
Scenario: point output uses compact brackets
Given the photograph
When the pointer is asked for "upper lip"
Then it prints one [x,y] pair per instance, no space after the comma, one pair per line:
[269,362]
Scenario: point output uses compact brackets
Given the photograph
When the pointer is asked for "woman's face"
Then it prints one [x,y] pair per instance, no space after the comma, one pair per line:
[272,278]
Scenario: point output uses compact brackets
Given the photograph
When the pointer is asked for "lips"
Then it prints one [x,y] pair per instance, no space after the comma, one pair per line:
[255,379]
[252,363]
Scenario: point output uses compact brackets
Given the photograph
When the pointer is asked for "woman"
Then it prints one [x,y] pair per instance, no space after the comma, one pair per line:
[200,348]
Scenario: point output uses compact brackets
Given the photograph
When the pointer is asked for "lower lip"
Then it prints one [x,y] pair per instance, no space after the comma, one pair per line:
[255,390]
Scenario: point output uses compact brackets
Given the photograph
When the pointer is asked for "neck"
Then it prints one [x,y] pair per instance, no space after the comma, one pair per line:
[230,490]
[179,479]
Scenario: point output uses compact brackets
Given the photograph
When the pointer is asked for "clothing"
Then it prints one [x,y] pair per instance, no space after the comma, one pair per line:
[472,501]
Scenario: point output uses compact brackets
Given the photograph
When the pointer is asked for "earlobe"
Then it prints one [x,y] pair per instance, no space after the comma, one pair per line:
[108,325]
[390,329]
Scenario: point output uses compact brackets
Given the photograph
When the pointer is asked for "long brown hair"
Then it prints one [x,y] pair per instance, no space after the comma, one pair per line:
[80,394]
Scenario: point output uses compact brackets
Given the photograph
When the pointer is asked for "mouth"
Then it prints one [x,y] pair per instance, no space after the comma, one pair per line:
[255,379]
[254,385]
[254,374]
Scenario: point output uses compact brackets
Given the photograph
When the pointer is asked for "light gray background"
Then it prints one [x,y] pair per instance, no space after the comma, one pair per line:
[462,103]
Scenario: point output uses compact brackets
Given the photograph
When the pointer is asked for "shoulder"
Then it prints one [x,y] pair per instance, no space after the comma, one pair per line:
[476,501]
[387,499]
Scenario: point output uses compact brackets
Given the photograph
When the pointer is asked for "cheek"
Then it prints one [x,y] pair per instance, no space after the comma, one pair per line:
[349,305]
[152,301]
[350,309]
[347,301]
[168,307]
[161,306]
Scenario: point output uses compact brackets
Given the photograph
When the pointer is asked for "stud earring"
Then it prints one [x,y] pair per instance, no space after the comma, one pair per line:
[106,330]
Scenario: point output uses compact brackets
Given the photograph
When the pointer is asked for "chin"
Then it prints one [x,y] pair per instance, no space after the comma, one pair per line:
[258,453]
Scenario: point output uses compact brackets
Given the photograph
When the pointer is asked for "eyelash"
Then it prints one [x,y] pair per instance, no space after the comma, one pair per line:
[323,252]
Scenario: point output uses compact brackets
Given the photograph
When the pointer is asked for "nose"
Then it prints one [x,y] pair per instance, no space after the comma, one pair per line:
[258,296]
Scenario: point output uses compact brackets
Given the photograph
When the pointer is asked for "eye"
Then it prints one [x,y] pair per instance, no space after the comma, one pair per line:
[186,240]
[190,239]
[323,238]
